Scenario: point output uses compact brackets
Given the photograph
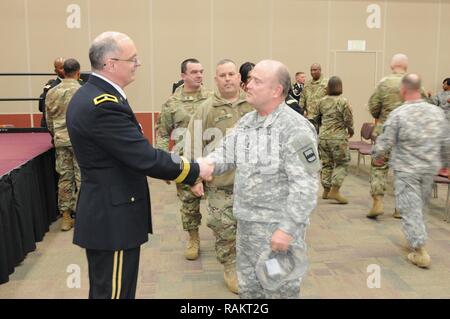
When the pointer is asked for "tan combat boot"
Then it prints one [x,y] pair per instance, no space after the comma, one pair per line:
[325,193]
[193,245]
[377,208]
[334,194]
[230,277]
[397,214]
[66,221]
[420,257]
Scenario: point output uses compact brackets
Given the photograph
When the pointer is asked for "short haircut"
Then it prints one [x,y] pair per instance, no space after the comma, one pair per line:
[447,80]
[100,48]
[334,86]
[298,73]
[71,66]
[245,69]
[185,63]
[411,82]
[225,61]
[284,79]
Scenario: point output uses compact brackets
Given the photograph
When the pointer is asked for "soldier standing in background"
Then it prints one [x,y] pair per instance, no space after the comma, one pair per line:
[417,132]
[276,183]
[220,112]
[59,70]
[297,87]
[383,101]
[172,122]
[314,90]
[442,99]
[337,127]
[56,103]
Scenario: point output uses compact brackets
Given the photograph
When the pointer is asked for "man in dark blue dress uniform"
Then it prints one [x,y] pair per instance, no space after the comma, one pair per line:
[113,210]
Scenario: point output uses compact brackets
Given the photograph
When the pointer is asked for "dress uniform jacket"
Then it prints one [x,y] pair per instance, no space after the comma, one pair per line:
[113,211]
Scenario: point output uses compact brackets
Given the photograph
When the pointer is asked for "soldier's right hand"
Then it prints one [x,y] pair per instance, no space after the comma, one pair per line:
[206,169]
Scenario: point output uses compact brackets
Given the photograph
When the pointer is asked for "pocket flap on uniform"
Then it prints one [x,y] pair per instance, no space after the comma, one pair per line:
[126,194]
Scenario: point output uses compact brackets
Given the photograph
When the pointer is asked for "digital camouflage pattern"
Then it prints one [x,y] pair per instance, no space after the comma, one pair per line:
[276,182]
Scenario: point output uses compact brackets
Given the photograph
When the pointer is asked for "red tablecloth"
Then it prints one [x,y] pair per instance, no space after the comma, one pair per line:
[18,148]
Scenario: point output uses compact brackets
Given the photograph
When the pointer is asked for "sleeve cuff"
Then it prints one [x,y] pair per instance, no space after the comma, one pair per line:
[189,172]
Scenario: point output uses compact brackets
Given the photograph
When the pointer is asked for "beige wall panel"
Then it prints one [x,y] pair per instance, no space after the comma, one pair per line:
[412,29]
[357,72]
[241,30]
[133,19]
[443,56]
[50,37]
[181,30]
[14,56]
[348,21]
[300,35]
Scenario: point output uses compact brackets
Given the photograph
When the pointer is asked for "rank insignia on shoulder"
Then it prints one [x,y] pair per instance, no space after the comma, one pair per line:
[104,98]
[310,156]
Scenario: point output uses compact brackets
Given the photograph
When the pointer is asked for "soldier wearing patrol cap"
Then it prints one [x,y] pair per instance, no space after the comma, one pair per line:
[113,210]
[172,122]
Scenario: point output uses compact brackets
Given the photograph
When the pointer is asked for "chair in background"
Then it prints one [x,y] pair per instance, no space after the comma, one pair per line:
[438,179]
[363,147]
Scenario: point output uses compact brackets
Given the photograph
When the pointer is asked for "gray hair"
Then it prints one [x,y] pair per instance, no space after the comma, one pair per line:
[284,79]
[104,44]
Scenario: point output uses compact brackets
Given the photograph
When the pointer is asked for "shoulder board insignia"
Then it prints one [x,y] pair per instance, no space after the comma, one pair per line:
[104,98]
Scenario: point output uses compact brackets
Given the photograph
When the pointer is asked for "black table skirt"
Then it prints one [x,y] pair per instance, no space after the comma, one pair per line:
[28,205]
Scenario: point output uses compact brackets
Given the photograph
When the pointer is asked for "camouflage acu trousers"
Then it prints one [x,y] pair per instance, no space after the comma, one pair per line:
[190,208]
[335,156]
[222,222]
[378,174]
[69,179]
[252,239]
[412,193]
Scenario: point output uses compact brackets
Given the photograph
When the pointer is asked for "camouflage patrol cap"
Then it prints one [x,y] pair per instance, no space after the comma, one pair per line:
[273,268]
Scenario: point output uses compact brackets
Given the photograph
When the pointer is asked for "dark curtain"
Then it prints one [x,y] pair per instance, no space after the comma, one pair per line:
[28,205]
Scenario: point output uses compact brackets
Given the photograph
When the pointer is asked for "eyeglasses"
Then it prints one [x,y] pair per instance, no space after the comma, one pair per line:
[134,60]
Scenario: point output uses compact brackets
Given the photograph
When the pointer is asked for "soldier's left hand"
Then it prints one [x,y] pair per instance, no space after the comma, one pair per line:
[280,240]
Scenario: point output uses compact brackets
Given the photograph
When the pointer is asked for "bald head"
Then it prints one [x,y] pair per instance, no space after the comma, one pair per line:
[280,74]
[316,71]
[412,82]
[105,45]
[399,62]
[269,86]
[59,66]
[410,88]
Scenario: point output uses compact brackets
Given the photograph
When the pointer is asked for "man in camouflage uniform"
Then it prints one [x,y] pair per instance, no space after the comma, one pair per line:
[274,152]
[219,113]
[56,103]
[172,123]
[314,90]
[337,126]
[442,99]
[382,102]
[417,132]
